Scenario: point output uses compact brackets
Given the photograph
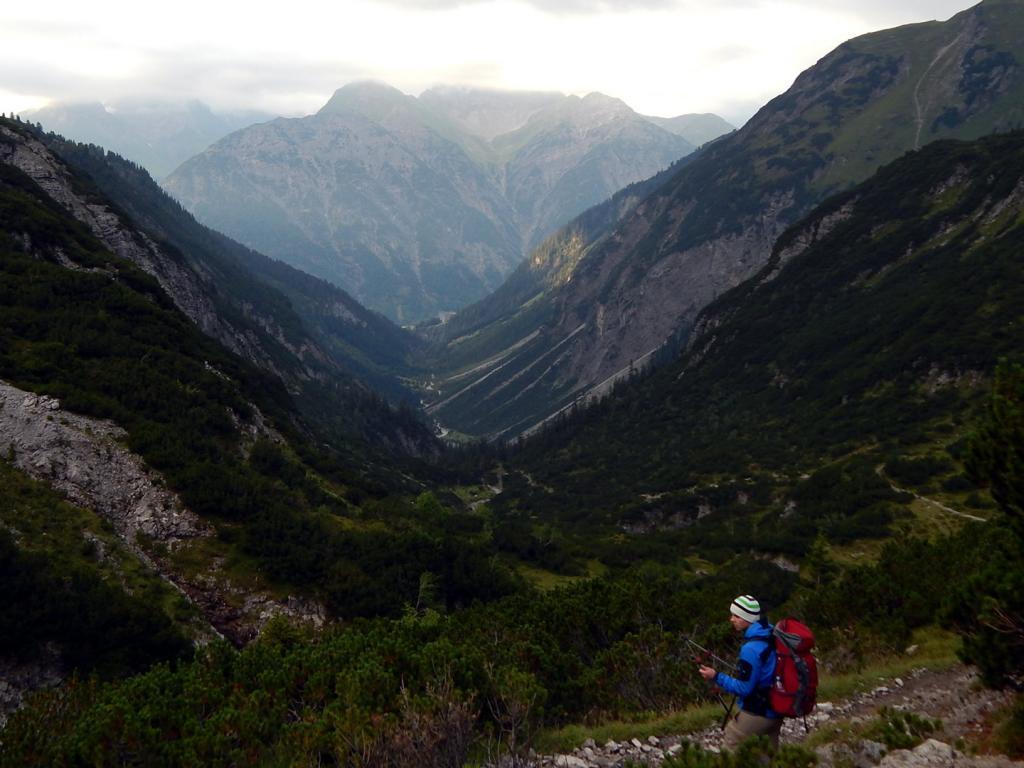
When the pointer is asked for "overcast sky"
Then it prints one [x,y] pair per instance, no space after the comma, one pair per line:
[663,57]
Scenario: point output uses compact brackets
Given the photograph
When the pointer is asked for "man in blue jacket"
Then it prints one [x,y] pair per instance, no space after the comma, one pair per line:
[752,681]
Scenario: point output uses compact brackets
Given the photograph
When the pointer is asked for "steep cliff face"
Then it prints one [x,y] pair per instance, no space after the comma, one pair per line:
[576,153]
[422,205]
[711,226]
[391,212]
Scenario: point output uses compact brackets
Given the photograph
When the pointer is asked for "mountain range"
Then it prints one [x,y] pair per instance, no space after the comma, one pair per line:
[419,206]
[626,281]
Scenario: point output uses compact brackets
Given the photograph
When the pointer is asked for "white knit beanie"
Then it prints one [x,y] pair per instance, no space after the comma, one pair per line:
[747,608]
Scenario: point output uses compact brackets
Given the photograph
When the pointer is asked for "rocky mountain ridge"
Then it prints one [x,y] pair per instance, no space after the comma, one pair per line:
[180,282]
[315,338]
[640,281]
[420,205]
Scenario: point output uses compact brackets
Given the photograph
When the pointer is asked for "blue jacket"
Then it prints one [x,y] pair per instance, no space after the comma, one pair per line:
[754,671]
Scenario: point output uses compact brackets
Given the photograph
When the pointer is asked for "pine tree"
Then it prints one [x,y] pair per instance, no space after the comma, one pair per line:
[996,455]
[988,607]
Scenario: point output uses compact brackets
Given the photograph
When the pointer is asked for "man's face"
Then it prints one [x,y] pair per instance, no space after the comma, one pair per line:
[740,625]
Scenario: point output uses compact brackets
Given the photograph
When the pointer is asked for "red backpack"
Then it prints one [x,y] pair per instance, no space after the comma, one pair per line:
[795,690]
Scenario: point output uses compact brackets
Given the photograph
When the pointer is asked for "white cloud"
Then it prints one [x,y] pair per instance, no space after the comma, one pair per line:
[660,56]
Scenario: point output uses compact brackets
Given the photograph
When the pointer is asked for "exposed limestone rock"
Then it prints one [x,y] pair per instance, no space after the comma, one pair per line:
[85,459]
[951,696]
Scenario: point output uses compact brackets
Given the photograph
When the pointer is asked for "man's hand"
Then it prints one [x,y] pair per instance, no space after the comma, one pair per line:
[707,673]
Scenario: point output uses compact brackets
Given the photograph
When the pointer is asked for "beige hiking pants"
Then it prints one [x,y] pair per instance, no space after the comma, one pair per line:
[744,725]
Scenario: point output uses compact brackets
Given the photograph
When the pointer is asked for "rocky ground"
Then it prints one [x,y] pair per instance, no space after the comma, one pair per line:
[952,696]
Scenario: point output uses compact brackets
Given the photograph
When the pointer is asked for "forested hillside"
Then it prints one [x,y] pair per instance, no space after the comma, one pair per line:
[859,350]
[847,395]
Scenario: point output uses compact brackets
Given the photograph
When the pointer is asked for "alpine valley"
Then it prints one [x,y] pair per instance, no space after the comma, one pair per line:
[625,281]
[245,520]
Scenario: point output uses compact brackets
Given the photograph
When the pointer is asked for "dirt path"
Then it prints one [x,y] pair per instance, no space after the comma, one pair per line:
[880,471]
[952,696]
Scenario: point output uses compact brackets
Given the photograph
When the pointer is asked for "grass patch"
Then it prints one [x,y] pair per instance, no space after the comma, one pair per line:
[545,580]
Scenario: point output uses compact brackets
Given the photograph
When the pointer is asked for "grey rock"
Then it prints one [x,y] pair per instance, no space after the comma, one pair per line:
[84,458]
[869,753]
[930,754]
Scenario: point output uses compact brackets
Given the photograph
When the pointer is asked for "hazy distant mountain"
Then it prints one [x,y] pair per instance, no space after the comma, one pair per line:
[485,113]
[420,205]
[696,129]
[159,137]
[610,289]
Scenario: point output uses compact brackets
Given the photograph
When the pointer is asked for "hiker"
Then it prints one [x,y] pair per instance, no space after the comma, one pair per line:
[752,681]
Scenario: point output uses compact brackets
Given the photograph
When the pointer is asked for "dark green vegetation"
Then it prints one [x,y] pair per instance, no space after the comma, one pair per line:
[355,695]
[59,590]
[855,365]
[991,613]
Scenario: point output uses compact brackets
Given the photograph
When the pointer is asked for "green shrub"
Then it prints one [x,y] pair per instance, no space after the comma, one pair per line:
[1009,733]
[754,753]
[900,730]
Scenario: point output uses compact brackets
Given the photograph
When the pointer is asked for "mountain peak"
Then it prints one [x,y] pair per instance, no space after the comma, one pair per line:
[596,98]
[368,97]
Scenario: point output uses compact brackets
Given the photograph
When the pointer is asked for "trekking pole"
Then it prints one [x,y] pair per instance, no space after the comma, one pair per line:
[704,652]
[728,713]
[701,657]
